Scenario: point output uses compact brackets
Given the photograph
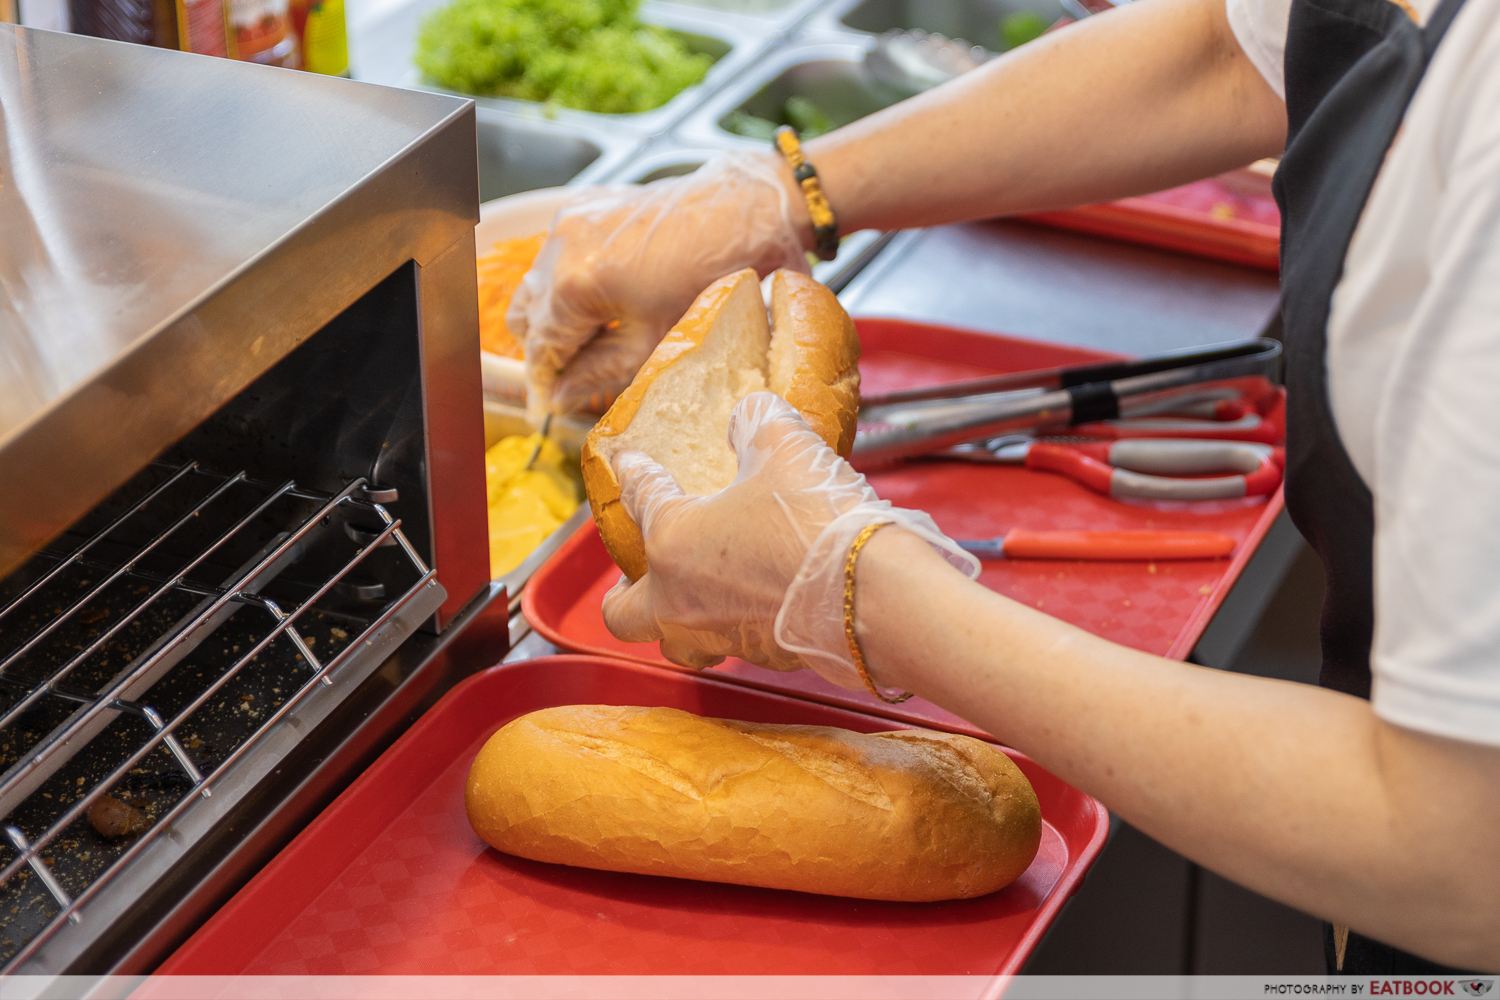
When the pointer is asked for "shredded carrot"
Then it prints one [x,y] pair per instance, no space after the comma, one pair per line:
[500,274]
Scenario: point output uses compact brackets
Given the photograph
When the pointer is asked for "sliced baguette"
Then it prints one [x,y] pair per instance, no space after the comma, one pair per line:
[724,348]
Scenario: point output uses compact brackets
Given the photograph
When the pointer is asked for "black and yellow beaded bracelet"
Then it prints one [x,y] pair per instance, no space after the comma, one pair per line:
[825,225]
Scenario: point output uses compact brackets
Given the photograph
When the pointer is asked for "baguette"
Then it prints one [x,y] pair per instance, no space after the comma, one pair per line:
[678,407]
[907,815]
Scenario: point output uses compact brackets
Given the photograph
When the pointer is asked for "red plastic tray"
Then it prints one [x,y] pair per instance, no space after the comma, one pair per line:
[391,880]
[1162,608]
[1207,218]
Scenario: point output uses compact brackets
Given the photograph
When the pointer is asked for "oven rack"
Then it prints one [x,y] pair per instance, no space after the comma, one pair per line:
[287,528]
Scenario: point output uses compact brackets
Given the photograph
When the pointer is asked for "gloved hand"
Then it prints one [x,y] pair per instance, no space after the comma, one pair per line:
[757,569]
[622,264]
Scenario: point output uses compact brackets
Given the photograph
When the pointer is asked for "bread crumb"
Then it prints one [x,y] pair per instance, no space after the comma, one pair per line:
[114,818]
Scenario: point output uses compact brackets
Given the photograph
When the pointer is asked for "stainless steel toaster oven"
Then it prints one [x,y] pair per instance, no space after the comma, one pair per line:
[242,508]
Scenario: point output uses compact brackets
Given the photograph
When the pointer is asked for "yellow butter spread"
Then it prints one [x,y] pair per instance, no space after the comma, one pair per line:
[526,505]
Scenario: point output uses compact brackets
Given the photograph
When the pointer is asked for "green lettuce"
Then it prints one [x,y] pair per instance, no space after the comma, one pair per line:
[594,55]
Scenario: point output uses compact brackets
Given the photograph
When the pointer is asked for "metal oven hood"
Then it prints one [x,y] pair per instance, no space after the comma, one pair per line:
[172,225]
[209,266]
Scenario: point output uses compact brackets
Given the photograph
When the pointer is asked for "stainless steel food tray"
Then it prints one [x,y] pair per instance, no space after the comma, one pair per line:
[518,153]
[831,74]
[664,159]
[976,21]
[382,49]
[781,16]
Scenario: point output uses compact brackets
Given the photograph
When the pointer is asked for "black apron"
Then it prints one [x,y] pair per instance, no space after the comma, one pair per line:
[1352,67]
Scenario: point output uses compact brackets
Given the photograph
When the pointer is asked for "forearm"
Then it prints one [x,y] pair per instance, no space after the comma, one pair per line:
[1297,792]
[1147,97]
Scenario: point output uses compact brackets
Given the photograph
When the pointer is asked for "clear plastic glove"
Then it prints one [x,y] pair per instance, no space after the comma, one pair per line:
[756,570]
[622,264]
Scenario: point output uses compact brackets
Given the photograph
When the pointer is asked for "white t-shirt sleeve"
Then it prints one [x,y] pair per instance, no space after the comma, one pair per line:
[1436,478]
[1260,27]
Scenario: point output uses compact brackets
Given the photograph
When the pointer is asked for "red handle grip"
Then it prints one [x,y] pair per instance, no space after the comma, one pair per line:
[1117,545]
[1073,462]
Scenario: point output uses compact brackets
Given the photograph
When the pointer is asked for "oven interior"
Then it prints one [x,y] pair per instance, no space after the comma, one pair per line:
[234,588]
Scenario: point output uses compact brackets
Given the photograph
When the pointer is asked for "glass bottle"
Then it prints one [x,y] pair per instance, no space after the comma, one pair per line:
[146,22]
[202,27]
[261,31]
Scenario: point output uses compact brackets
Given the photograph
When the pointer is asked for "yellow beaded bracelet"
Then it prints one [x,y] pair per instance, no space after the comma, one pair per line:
[851,562]
[825,225]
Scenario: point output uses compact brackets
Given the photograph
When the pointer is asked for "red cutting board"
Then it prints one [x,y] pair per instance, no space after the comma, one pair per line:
[390,879]
[1207,218]
[1161,608]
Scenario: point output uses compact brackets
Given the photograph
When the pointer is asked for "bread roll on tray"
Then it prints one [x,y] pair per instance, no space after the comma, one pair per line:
[906,815]
[724,348]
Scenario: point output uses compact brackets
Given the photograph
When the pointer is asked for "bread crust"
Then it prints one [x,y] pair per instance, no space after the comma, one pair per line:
[912,816]
[823,385]
[824,381]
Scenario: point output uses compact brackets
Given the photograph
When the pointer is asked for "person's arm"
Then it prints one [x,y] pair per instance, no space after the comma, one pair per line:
[1299,793]
[1138,99]
[1152,95]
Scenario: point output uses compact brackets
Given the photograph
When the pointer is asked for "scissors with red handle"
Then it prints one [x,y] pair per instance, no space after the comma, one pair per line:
[1143,468]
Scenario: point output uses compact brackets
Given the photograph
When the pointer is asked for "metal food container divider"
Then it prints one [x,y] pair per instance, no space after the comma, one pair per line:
[975,21]
[781,16]
[518,153]
[242,453]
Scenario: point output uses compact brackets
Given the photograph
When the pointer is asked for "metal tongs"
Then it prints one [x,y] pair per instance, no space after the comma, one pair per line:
[541,439]
[909,423]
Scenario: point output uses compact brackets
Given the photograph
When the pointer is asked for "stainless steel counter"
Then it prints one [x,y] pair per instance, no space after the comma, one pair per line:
[1033,281]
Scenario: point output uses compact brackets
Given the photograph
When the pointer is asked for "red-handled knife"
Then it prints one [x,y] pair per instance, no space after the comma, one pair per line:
[1110,546]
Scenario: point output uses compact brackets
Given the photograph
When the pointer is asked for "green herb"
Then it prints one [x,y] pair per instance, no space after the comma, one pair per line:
[742,122]
[800,113]
[806,117]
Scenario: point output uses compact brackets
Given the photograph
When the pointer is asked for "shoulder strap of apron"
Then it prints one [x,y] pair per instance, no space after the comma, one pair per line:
[1433,33]
[1442,18]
